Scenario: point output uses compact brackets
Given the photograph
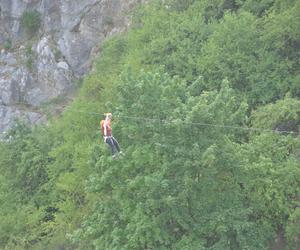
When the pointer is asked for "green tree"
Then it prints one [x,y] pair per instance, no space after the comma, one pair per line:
[194,176]
[178,187]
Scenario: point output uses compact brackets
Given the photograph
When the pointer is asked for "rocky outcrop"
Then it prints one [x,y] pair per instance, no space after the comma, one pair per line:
[37,69]
[10,113]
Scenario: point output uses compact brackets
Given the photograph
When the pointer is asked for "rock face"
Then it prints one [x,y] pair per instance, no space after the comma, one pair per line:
[37,69]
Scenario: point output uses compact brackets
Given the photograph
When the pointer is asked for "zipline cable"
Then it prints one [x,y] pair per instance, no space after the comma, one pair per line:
[162,121]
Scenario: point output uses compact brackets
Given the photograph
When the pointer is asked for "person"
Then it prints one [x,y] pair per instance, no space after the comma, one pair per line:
[107,135]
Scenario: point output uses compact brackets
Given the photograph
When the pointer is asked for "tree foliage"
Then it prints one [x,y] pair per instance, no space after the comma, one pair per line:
[205,97]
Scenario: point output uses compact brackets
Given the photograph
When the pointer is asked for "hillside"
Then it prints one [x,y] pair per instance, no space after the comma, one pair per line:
[205,102]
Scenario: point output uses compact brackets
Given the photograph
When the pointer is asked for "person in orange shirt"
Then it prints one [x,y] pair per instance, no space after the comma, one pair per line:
[107,135]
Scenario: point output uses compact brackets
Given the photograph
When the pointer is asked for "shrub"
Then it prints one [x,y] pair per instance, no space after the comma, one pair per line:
[108,20]
[30,22]
[57,54]
[29,58]
[7,44]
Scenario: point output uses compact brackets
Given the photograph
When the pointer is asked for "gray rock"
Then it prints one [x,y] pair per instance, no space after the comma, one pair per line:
[7,58]
[62,50]
[63,65]
[13,79]
[50,80]
[8,116]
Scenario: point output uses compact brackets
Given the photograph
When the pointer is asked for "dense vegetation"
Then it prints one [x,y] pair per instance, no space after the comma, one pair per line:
[183,84]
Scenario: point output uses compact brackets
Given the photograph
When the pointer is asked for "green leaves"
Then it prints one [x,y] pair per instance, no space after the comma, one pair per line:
[281,116]
[181,85]
[30,22]
[166,186]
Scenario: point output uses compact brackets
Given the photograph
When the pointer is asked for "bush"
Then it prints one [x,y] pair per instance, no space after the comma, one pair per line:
[108,20]
[31,22]
[7,44]
[29,58]
[57,54]
[180,5]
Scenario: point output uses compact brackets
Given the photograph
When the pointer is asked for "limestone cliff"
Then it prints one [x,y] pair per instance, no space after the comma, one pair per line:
[40,66]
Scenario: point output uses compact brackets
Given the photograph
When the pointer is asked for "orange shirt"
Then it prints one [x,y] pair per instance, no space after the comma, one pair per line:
[105,128]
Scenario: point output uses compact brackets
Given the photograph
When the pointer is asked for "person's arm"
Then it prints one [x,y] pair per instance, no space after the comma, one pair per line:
[105,128]
[109,128]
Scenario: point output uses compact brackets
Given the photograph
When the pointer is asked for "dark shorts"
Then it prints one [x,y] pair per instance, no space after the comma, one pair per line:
[113,143]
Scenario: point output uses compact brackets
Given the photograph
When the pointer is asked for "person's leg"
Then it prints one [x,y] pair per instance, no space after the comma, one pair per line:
[116,144]
[110,142]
